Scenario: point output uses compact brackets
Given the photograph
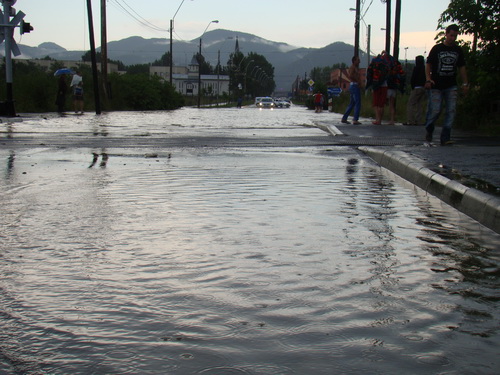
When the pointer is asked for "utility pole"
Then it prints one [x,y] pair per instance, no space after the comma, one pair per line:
[199,77]
[218,76]
[356,28]
[368,57]
[104,49]
[388,27]
[93,58]
[397,24]
[171,63]
[171,49]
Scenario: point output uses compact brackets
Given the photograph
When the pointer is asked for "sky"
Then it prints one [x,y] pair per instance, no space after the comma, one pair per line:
[296,22]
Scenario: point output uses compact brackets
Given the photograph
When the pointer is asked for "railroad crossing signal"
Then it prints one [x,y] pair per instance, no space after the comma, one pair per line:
[7,26]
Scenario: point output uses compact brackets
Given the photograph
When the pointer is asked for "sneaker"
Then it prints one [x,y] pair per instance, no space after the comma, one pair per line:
[428,137]
[344,121]
[356,123]
[447,143]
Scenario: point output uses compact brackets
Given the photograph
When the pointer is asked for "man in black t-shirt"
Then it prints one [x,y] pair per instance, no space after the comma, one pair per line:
[443,62]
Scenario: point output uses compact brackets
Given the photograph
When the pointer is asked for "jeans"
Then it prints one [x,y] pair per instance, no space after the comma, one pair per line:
[436,98]
[354,103]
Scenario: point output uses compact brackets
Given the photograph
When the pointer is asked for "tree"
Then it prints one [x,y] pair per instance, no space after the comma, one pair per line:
[251,75]
[164,60]
[143,92]
[87,58]
[478,18]
[138,69]
[205,66]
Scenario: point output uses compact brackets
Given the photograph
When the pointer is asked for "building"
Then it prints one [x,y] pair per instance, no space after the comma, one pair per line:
[185,79]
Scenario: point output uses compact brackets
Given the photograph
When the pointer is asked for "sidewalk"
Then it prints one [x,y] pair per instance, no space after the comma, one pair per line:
[465,175]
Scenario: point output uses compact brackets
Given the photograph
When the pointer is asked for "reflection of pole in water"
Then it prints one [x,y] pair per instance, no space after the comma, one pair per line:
[104,160]
[10,131]
[95,158]
[10,163]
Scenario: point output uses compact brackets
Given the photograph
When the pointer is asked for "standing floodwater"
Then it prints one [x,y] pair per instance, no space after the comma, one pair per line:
[179,259]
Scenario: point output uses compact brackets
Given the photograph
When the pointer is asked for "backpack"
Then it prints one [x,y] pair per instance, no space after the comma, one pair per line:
[377,72]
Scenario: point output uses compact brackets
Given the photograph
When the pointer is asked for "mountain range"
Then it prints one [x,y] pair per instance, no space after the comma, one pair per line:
[288,61]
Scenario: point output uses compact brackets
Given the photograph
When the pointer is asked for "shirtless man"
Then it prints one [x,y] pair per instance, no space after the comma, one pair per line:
[355,102]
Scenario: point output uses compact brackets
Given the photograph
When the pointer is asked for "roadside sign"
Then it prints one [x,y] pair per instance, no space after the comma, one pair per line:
[310,82]
[334,91]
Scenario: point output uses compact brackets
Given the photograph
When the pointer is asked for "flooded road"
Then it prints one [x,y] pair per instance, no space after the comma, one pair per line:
[261,253]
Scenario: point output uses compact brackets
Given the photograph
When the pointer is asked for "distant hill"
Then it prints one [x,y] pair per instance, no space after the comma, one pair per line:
[288,61]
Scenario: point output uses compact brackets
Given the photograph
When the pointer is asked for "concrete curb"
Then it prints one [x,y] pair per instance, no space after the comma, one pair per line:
[481,207]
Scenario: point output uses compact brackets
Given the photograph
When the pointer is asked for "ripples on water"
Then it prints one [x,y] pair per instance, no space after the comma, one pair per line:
[218,261]
[175,123]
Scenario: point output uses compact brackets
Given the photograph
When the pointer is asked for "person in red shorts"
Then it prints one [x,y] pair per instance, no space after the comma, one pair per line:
[376,78]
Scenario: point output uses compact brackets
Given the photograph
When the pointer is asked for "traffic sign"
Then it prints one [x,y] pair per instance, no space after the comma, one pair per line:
[334,91]
[310,82]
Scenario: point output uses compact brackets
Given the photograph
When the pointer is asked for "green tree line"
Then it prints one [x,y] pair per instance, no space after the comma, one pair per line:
[35,89]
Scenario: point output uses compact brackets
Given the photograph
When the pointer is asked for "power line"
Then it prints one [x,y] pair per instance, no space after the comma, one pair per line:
[136,16]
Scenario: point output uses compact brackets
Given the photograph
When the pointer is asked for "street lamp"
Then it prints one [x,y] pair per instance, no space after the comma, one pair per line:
[171,30]
[389,38]
[406,58]
[245,77]
[199,63]
[253,77]
[255,67]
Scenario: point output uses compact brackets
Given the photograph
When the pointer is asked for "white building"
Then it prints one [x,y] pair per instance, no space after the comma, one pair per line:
[185,79]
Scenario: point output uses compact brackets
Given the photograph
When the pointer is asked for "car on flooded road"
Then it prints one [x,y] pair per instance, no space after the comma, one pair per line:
[283,103]
[266,102]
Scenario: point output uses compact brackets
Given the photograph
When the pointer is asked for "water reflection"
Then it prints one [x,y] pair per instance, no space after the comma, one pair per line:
[223,260]
[10,164]
[95,158]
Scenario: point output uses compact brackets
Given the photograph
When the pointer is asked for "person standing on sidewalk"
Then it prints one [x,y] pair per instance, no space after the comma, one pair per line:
[414,108]
[395,82]
[77,88]
[443,62]
[354,90]
[376,78]
[62,90]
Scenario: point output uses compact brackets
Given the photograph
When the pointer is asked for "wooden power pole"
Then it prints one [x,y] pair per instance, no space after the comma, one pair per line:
[104,49]
[93,58]
[388,27]
[397,27]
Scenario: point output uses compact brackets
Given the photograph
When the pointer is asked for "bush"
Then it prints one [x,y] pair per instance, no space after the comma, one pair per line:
[141,92]
[35,89]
